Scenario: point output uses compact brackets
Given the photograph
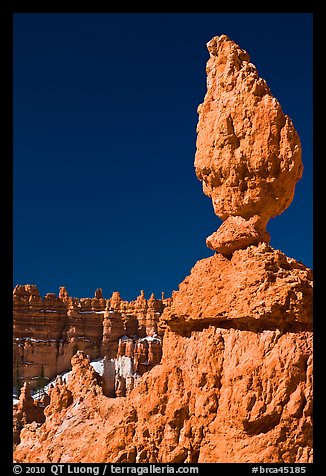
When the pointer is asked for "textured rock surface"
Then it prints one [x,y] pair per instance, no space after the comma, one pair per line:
[134,358]
[256,284]
[237,233]
[77,414]
[27,411]
[248,152]
[234,383]
[47,331]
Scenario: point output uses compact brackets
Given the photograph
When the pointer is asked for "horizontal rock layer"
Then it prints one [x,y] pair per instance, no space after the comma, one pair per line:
[258,287]
[48,331]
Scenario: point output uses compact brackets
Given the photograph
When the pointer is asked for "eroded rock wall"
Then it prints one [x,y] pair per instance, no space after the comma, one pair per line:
[49,330]
[226,390]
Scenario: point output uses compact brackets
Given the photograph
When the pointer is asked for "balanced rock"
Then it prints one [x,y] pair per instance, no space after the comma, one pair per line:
[248,151]
[234,384]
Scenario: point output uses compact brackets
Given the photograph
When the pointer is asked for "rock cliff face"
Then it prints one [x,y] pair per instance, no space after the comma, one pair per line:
[235,380]
[234,383]
[134,358]
[47,332]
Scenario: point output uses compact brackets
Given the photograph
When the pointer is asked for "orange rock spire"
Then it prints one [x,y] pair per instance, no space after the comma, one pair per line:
[248,151]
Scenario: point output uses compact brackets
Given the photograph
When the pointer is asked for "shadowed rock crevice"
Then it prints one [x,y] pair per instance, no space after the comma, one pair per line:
[185,326]
[262,425]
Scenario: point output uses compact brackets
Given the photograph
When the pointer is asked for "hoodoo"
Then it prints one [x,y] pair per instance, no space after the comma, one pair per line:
[235,380]
[248,151]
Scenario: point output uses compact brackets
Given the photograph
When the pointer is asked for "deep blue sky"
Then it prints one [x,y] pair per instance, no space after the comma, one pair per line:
[105,114]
